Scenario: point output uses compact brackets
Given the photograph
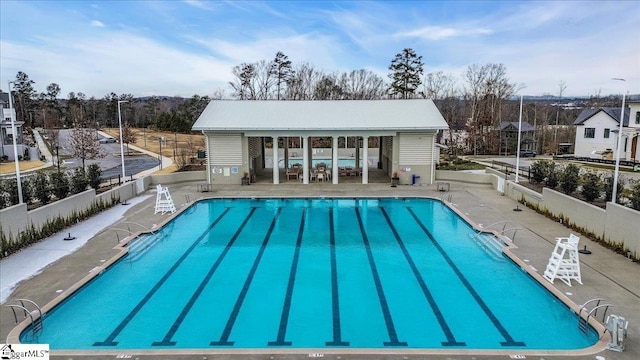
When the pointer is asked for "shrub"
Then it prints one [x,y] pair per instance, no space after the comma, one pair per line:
[78,181]
[608,188]
[10,186]
[93,175]
[27,190]
[539,171]
[635,196]
[553,178]
[591,186]
[569,179]
[41,189]
[60,184]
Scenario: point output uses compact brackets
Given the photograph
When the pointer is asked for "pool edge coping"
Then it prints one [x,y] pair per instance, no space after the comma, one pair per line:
[604,337]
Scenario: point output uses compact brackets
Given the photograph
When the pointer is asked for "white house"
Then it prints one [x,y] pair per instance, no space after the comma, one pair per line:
[7,133]
[597,132]
[235,133]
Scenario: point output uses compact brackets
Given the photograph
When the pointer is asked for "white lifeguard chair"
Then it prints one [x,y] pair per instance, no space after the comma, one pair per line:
[564,263]
[164,202]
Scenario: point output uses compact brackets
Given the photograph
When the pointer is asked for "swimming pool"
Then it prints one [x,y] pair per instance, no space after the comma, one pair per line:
[313,273]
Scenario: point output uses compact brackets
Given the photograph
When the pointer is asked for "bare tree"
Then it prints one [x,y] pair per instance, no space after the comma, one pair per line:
[487,88]
[84,145]
[362,85]
[302,84]
[441,88]
[128,135]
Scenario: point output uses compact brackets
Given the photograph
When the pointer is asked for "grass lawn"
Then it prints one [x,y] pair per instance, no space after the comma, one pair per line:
[10,167]
[150,140]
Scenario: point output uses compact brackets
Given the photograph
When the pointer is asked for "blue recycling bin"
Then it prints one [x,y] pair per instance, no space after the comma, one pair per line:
[414,179]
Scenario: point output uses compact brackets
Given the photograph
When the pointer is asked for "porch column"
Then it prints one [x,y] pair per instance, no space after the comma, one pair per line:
[334,159]
[357,150]
[305,160]
[365,160]
[276,161]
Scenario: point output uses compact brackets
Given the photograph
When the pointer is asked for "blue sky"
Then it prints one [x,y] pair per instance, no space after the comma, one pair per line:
[189,47]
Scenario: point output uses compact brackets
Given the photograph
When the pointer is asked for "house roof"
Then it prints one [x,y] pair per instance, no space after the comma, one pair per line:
[525,125]
[320,115]
[613,113]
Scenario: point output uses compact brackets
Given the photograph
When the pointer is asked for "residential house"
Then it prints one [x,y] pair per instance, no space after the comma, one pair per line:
[509,136]
[597,132]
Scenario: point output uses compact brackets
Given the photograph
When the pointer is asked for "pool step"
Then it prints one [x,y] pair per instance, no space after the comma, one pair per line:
[141,245]
[491,244]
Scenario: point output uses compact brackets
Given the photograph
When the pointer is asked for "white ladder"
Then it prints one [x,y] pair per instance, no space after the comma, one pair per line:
[564,263]
[164,202]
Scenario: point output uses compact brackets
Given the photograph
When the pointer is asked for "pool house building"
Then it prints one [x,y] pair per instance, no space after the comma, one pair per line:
[249,138]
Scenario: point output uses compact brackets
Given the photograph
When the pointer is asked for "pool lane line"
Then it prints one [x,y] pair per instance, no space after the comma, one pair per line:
[109,340]
[496,323]
[451,340]
[166,341]
[224,338]
[286,307]
[335,298]
[388,320]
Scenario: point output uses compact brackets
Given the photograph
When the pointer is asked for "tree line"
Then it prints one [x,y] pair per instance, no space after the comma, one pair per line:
[477,100]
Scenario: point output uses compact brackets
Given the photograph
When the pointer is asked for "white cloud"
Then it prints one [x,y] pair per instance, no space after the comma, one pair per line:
[119,62]
[97,23]
[203,5]
[442,33]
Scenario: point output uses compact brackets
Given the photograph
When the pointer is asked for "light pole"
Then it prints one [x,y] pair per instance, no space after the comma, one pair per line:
[617,167]
[518,150]
[58,156]
[15,146]
[121,144]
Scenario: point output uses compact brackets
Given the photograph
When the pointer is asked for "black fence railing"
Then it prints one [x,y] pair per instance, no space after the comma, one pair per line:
[509,169]
[631,163]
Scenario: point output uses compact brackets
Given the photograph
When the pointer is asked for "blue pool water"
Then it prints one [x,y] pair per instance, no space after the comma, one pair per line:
[312,273]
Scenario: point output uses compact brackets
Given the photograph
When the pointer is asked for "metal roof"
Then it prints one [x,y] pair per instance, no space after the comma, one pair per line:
[320,115]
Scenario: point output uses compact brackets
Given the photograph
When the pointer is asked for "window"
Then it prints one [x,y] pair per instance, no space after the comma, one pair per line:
[589,133]
[638,117]
[606,133]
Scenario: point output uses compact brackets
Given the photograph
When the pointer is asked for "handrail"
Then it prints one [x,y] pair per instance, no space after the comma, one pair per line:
[36,323]
[142,226]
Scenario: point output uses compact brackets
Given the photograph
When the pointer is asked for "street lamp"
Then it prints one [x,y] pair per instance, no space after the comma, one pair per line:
[15,146]
[121,145]
[518,150]
[617,167]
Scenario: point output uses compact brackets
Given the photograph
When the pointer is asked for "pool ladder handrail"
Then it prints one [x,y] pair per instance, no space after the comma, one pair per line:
[135,223]
[35,315]
[583,322]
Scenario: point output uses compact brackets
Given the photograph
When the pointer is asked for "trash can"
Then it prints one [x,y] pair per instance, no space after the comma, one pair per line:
[414,179]
[202,154]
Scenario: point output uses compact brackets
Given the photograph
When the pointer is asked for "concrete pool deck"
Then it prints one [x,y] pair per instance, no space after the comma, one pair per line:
[604,274]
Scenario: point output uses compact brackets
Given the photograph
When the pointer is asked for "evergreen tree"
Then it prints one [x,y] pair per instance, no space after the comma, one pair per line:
[570,177]
[406,74]
[282,70]
[93,175]
[591,186]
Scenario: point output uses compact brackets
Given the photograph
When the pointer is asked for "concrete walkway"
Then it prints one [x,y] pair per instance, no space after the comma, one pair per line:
[604,273]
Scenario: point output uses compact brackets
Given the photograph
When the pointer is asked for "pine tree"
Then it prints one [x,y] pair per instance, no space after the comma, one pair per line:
[407,71]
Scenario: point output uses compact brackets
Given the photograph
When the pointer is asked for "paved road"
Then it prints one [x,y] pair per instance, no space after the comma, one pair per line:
[111,163]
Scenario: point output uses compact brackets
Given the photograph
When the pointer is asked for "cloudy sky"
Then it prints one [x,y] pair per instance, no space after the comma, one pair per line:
[189,47]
